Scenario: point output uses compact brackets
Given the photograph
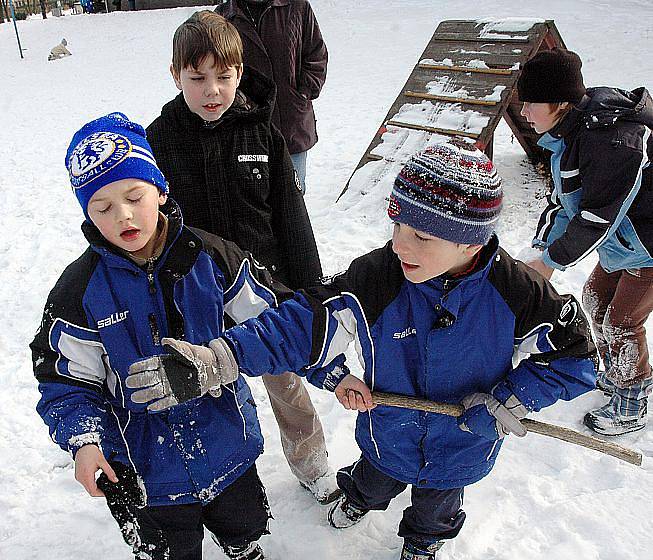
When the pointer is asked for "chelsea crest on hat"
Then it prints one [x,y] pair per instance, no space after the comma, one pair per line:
[110,149]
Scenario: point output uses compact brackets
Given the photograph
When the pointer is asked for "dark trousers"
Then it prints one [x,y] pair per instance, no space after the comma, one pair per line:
[432,516]
[619,304]
[237,516]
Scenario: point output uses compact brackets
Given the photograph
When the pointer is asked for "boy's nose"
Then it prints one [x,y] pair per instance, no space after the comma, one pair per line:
[398,242]
[125,213]
[212,88]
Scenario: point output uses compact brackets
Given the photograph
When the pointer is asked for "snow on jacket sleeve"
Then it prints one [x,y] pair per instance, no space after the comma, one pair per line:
[314,60]
[551,335]
[69,364]
[611,176]
[290,221]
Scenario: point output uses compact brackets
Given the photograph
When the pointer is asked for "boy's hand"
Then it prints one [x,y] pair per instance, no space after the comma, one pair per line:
[185,372]
[485,416]
[353,394]
[89,460]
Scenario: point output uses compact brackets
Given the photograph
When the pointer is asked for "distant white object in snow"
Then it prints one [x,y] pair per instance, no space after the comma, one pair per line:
[60,51]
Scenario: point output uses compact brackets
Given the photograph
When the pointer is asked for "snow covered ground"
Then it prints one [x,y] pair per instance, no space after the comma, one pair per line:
[545,499]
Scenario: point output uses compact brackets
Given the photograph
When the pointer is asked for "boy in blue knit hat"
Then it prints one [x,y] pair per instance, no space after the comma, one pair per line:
[145,276]
[441,312]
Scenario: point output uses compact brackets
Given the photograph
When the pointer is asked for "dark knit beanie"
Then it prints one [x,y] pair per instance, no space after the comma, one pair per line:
[109,149]
[552,77]
[451,191]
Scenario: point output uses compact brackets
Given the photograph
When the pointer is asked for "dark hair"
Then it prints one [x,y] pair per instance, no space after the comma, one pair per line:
[203,34]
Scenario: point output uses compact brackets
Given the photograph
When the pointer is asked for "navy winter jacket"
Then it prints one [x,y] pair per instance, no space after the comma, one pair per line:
[502,326]
[603,182]
[105,313]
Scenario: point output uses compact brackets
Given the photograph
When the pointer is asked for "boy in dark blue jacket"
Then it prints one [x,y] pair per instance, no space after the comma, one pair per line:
[441,312]
[146,276]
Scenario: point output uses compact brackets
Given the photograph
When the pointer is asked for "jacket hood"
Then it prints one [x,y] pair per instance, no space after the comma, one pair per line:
[603,106]
[254,102]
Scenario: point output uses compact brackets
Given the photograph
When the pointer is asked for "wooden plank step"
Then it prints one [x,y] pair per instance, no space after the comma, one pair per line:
[492,53]
[426,128]
[476,39]
[500,71]
[450,99]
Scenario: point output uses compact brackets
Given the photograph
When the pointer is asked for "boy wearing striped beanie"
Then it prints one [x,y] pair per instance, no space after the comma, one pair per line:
[438,313]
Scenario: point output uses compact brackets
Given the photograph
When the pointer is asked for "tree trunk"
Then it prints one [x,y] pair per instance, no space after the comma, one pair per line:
[44,9]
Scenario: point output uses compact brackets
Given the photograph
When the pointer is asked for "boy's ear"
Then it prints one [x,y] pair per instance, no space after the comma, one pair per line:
[175,77]
[471,250]
[163,197]
[239,72]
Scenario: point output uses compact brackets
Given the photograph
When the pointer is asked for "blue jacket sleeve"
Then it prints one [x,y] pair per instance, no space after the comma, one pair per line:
[301,335]
[75,416]
[554,357]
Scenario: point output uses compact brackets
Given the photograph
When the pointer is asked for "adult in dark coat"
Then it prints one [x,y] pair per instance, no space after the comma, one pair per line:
[282,40]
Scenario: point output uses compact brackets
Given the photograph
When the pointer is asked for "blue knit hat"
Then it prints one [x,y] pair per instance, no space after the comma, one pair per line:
[109,149]
[451,191]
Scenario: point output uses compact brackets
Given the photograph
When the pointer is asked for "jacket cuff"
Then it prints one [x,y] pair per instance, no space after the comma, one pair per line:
[75,443]
[546,259]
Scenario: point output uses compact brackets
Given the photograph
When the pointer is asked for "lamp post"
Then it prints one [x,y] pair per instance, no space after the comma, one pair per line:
[13,16]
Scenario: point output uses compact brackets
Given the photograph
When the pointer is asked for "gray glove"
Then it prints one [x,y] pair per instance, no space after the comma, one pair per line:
[485,416]
[186,371]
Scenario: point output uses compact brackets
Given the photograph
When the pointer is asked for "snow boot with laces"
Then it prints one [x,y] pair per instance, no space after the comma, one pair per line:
[344,514]
[625,412]
[420,551]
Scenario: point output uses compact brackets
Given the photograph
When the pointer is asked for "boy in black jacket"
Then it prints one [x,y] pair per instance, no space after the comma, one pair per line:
[229,170]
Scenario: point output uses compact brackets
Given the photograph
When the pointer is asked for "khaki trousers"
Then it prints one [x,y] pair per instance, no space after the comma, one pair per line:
[302,437]
[619,304]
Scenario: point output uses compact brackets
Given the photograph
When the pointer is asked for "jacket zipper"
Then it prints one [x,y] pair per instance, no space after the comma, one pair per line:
[150,276]
[154,327]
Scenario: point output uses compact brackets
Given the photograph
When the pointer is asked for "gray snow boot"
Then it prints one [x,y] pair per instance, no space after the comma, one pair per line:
[420,551]
[344,514]
[625,412]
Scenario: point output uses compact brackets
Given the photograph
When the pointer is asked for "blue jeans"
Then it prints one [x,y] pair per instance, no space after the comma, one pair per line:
[299,163]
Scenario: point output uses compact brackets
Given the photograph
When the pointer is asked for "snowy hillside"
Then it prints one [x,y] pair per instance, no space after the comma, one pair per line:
[544,500]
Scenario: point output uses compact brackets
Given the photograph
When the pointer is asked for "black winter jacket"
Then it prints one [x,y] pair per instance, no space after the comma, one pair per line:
[234,178]
[603,182]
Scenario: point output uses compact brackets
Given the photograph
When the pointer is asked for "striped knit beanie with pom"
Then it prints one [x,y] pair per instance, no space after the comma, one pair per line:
[451,191]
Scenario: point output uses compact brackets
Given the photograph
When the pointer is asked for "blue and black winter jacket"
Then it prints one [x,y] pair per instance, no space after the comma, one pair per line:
[501,326]
[106,313]
[602,182]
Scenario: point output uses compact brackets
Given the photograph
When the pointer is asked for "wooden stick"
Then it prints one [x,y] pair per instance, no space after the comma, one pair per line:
[550,430]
